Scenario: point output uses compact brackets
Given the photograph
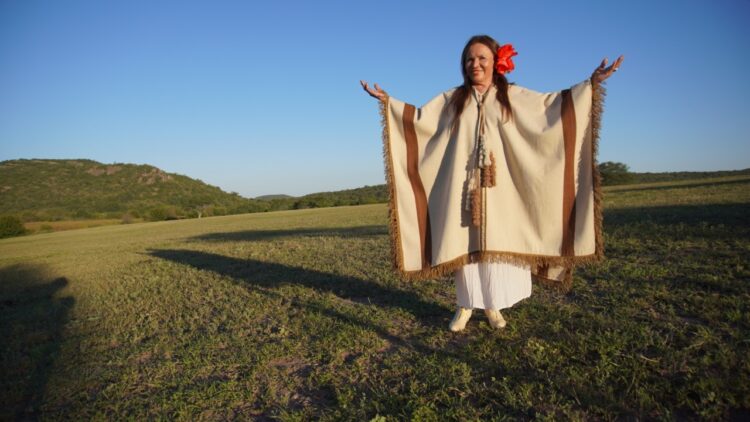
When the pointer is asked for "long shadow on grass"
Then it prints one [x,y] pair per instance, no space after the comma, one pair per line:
[251,235]
[267,277]
[31,324]
[721,224]
[735,216]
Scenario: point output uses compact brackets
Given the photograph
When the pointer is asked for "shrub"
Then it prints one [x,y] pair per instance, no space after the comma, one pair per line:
[163,212]
[614,173]
[11,226]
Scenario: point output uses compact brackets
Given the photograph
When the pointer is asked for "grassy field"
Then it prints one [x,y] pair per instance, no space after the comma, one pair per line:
[297,315]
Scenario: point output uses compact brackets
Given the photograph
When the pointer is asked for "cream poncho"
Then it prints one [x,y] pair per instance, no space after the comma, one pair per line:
[523,189]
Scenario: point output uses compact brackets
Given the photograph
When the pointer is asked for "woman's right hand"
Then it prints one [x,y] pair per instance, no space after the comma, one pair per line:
[375,93]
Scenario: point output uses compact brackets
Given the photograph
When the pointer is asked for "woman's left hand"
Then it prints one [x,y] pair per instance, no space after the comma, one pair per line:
[603,72]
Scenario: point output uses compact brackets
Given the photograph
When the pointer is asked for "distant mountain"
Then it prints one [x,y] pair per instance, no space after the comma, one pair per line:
[272,197]
[69,189]
[359,196]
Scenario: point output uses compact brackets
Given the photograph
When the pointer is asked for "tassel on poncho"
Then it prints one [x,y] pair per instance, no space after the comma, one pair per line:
[531,196]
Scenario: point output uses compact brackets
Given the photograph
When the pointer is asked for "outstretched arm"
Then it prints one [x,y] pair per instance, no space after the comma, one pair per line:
[603,72]
[375,93]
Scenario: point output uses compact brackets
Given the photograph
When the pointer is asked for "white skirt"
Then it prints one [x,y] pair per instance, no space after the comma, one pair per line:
[492,285]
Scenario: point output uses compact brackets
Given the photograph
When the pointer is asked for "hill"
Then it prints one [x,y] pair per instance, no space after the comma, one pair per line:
[73,189]
[53,190]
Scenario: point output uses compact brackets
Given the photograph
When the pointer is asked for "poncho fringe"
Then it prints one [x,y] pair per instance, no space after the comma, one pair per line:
[539,264]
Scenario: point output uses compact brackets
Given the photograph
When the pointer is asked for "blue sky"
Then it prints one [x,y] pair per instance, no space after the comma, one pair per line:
[263,97]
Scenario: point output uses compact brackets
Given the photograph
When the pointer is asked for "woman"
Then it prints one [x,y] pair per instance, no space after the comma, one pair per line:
[503,134]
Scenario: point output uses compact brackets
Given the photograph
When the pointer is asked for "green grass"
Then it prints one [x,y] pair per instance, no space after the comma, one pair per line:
[296,315]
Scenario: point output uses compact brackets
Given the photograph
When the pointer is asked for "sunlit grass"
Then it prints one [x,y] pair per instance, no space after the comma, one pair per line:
[297,315]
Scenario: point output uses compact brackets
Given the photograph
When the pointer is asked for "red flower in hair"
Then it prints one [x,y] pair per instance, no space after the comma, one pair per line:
[504,63]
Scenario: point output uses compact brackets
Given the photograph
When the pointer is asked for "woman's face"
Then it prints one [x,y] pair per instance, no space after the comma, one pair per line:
[479,64]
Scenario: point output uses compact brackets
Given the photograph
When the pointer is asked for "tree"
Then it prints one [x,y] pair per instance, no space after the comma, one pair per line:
[206,210]
[614,173]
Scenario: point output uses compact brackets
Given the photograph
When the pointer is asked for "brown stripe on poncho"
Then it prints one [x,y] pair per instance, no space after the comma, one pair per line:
[543,209]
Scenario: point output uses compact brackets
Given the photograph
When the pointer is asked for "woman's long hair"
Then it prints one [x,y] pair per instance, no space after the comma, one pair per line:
[461,94]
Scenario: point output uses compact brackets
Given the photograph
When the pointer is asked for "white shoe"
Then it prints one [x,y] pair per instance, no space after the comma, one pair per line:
[496,319]
[460,319]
